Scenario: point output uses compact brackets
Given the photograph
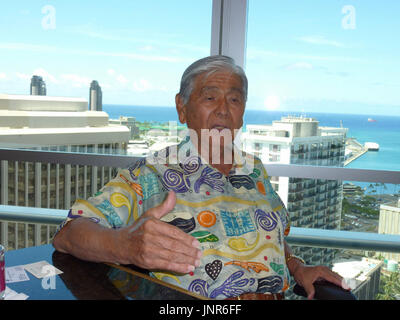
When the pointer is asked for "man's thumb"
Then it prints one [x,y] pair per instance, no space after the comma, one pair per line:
[166,206]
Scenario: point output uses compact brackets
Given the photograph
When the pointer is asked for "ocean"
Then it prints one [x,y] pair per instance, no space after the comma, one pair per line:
[385,130]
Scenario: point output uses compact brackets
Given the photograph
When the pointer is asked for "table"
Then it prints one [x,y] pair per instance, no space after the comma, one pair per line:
[85,280]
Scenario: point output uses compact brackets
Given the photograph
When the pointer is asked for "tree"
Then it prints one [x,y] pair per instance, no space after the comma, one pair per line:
[389,287]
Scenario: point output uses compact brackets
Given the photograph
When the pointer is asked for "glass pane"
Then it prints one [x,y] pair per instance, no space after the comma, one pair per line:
[124,59]
[332,62]
[369,274]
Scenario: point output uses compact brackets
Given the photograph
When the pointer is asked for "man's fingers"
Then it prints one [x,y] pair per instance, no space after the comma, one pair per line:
[338,280]
[165,207]
[310,291]
[157,228]
[183,248]
[165,259]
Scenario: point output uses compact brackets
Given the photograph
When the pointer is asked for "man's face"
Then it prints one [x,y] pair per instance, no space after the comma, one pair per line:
[217,102]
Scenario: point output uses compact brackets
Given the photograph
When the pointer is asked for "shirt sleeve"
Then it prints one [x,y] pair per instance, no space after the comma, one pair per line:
[116,204]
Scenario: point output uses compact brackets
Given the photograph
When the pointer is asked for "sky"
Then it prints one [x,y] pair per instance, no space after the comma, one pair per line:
[309,55]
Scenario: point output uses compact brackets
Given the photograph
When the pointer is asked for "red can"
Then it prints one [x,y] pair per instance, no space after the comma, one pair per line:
[2,273]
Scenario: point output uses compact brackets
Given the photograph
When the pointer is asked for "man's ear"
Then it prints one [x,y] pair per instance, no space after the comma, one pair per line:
[180,108]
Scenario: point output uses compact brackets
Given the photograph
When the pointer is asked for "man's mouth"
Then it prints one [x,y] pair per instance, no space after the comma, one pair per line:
[219,127]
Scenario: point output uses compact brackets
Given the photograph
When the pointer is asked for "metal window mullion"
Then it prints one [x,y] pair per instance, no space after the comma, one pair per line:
[26,226]
[26,189]
[57,186]
[47,233]
[4,233]
[48,193]
[229,29]
[16,235]
[4,182]
[102,168]
[94,174]
[16,183]
[67,182]
[38,184]
[76,181]
[37,234]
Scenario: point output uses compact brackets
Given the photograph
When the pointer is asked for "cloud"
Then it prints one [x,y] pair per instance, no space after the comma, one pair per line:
[147,48]
[3,76]
[260,55]
[38,72]
[45,75]
[299,66]
[153,40]
[121,79]
[321,40]
[117,77]
[142,85]
[22,76]
[26,47]
[76,80]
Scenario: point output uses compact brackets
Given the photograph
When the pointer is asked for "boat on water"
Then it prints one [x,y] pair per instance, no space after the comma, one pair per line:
[371,146]
[371,120]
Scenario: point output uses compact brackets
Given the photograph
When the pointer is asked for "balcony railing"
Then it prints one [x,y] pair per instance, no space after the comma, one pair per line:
[307,237]
[40,223]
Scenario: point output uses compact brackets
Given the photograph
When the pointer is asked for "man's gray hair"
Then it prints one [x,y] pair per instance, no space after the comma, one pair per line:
[209,65]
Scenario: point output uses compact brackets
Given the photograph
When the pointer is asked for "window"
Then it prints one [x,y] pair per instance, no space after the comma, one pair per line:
[131,54]
[274,147]
[332,61]
[125,59]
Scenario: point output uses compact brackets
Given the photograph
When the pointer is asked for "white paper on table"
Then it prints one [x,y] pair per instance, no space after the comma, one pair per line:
[42,269]
[13,295]
[16,274]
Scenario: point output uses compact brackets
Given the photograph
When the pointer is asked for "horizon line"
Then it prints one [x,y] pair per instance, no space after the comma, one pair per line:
[265,110]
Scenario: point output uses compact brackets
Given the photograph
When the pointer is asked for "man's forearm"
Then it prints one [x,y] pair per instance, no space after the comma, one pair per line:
[86,240]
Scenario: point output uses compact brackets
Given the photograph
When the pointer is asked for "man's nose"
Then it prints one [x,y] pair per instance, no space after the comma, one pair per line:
[222,107]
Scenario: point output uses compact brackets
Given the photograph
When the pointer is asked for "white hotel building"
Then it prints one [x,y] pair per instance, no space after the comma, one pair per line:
[56,124]
[312,203]
[389,223]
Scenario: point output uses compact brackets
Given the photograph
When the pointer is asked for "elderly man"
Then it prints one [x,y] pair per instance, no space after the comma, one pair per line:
[202,215]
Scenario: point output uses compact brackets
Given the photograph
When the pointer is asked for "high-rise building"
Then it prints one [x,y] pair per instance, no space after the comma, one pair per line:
[95,97]
[389,223]
[312,203]
[52,124]
[59,124]
[38,86]
[363,276]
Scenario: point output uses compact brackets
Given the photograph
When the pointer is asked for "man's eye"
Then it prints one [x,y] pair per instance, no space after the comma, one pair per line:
[210,98]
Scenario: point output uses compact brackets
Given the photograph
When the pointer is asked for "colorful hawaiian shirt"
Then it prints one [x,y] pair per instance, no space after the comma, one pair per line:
[238,219]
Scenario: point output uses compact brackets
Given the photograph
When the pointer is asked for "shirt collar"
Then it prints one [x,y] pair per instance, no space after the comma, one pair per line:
[243,163]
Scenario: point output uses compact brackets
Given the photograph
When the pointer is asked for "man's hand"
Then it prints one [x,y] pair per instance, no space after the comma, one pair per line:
[306,275]
[153,244]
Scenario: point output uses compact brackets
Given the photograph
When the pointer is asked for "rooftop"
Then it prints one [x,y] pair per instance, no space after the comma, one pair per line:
[357,270]
[41,103]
